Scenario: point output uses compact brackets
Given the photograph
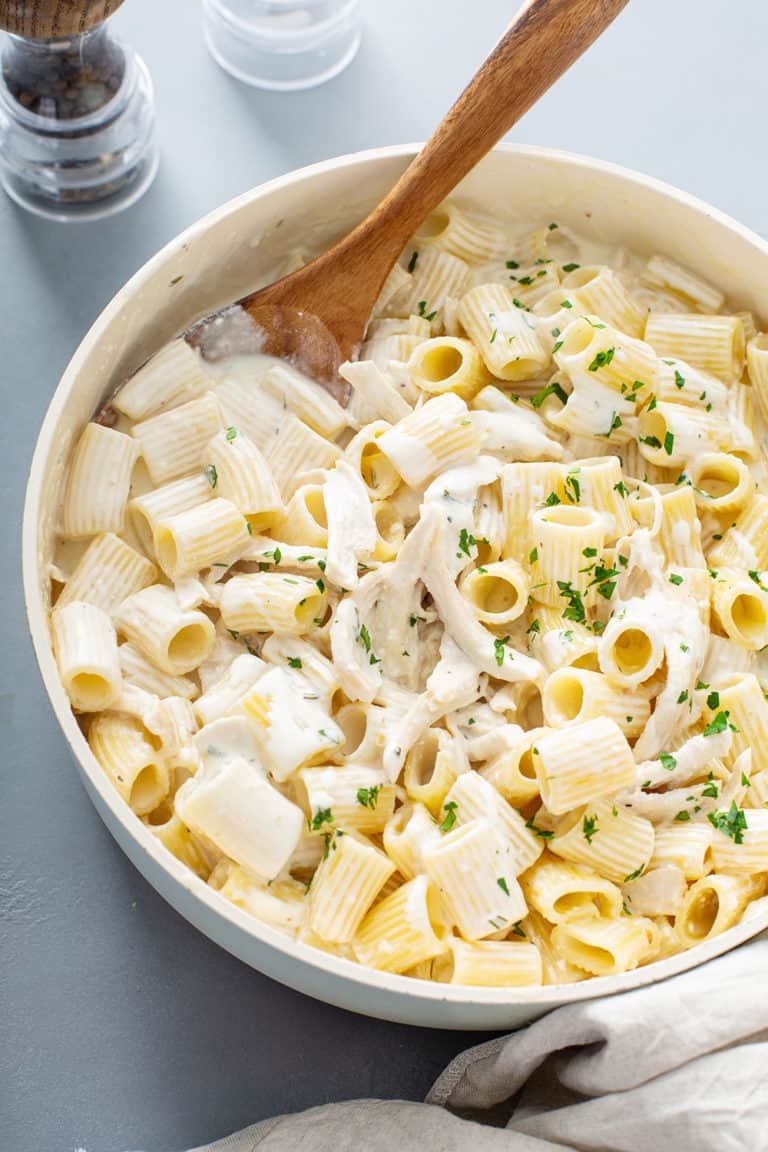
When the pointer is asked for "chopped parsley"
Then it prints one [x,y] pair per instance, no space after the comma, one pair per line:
[233,633]
[414,620]
[498,649]
[450,819]
[713,701]
[651,441]
[512,264]
[570,267]
[368,797]
[295,662]
[754,575]
[602,359]
[322,816]
[711,788]
[542,833]
[575,610]
[230,434]
[683,816]
[553,389]
[719,724]
[533,555]
[211,474]
[572,488]
[621,488]
[669,442]
[422,306]
[683,696]
[535,627]
[732,823]
[551,500]
[675,578]
[634,875]
[466,541]
[412,261]
[589,828]
[679,379]
[503,885]
[667,761]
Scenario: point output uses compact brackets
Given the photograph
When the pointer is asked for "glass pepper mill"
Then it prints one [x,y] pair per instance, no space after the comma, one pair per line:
[76,111]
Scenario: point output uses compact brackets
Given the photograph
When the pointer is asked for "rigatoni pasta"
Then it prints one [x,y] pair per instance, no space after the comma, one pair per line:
[464,681]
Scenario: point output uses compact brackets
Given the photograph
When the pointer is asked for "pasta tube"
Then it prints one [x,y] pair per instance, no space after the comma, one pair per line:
[490,963]
[358,797]
[85,646]
[601,293]
[611,840]
[109,572]
[345,885]
[147,510]
[98,483]
[712,343]
[562,892]
[243,477]
[505,334]
[606,947]
[566,540]
[173,443]
[575,695]
[271,602]
[582,763]
[494,900]
[214,532]
[122,746]
[175,639]
[448,364]
[711,905]
[170,377]
[497,593]
[741,607]
[434,437]
[403,930]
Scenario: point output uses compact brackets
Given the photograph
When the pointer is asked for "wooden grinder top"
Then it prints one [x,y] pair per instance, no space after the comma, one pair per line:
[54,19]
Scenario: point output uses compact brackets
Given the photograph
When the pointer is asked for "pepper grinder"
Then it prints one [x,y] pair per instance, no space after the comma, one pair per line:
[76,110]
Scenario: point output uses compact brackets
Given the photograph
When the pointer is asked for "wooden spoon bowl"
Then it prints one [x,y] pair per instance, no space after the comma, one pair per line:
[315,318]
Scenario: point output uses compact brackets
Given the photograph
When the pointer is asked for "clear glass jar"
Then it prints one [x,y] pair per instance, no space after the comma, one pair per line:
[76,125]
[282,45]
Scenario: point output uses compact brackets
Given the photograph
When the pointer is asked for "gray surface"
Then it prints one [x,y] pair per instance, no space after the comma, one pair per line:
[120,1026]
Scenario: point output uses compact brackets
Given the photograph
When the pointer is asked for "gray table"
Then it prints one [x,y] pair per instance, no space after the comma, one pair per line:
[120,1026]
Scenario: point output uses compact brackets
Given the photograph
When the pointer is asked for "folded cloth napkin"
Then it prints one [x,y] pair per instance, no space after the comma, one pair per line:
[681,1065]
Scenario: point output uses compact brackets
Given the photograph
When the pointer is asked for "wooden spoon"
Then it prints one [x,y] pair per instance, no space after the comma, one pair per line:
[316,317]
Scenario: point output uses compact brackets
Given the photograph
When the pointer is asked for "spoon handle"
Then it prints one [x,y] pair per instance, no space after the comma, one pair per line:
[541,43]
